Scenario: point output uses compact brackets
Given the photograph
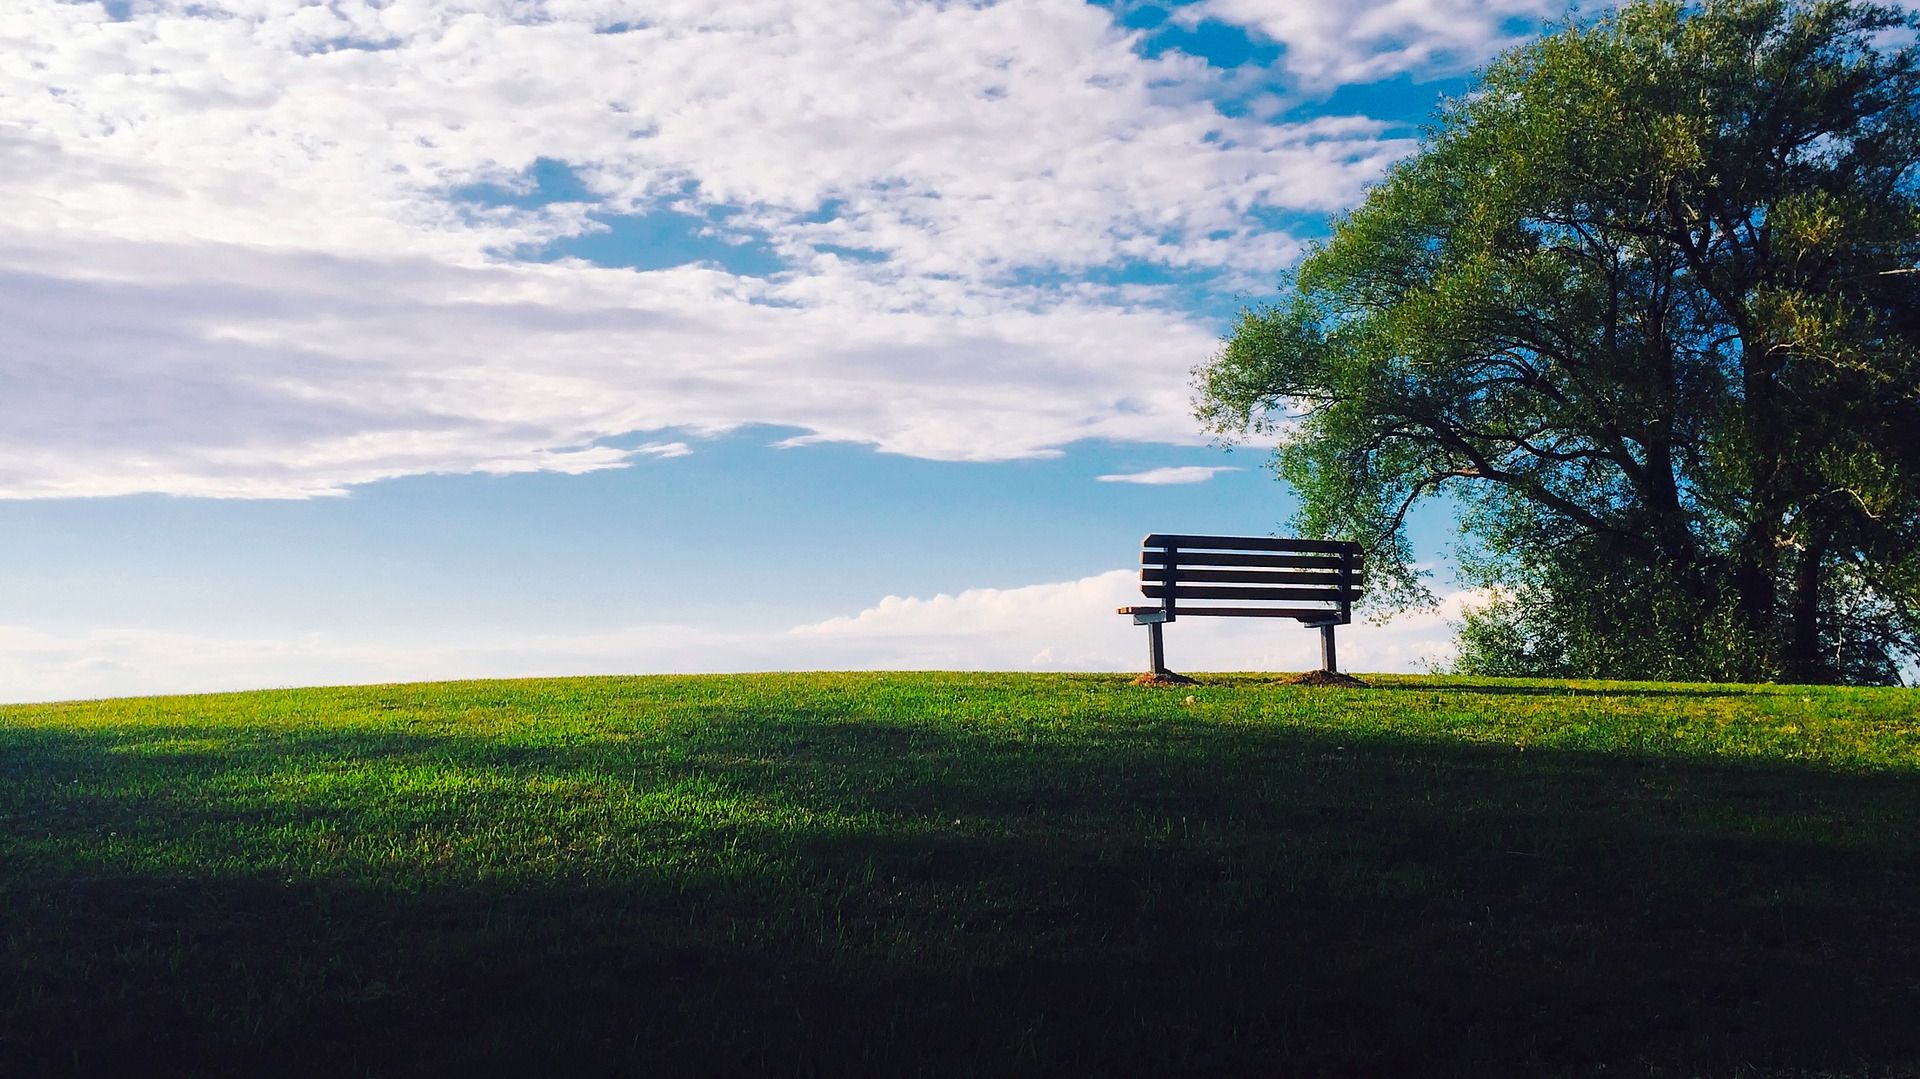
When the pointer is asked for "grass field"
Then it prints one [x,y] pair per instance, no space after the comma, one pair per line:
[964,875]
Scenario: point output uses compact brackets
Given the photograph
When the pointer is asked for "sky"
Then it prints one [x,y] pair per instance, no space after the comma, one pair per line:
[359,342]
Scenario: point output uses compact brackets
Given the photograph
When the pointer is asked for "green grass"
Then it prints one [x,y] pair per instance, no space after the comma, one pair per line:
[964,874]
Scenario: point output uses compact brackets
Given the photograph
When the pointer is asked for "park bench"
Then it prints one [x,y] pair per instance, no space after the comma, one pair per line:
[1312,581]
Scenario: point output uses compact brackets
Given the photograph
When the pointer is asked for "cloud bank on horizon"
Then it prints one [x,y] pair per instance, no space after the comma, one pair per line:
[1042,627]
[260,248]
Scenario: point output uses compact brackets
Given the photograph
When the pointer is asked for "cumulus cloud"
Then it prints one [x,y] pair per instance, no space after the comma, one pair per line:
[270,249]
[1162,476]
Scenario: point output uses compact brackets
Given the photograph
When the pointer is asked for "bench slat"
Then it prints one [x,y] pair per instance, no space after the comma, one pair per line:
[1247,543]
[1185,558]
[1180,591]
[1304,614]
[1200,574]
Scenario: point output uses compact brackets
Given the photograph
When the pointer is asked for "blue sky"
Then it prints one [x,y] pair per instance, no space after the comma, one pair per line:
[354,342]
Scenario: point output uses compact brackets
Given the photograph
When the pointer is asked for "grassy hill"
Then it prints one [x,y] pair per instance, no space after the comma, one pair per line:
[964,874]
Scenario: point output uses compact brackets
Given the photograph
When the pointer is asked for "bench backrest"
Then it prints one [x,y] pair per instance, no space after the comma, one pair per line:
[1252,577]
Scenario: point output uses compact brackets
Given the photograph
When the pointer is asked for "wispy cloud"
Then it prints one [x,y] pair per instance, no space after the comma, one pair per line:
[1161,476]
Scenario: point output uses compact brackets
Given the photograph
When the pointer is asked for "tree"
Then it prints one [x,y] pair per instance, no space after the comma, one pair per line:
[1643,306]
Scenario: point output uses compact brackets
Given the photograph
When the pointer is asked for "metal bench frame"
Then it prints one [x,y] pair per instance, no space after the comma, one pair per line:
[1247,577]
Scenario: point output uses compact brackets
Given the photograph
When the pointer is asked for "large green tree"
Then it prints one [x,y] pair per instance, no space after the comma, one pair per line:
[1643,306]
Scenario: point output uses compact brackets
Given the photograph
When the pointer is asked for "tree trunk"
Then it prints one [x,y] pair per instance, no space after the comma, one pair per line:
[1805,660]
[1756,597]
[1756,582]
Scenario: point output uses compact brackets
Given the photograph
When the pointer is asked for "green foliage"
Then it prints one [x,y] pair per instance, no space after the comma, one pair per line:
[963,874]
[1641,305]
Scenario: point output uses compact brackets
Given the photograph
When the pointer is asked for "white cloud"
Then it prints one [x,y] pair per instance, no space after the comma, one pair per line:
[233,261]
[1162,476]
[1366,40]
[1067,625]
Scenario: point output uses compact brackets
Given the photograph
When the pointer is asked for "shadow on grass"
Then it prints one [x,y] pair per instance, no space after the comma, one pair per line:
[859,897]
[1582,691]
[1498,689]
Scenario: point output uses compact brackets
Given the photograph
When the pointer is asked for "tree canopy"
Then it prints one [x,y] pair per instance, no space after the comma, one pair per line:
[1642,305]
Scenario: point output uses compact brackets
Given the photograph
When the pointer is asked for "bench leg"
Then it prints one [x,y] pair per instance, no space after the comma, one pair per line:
[1156,650]
[1327,660]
